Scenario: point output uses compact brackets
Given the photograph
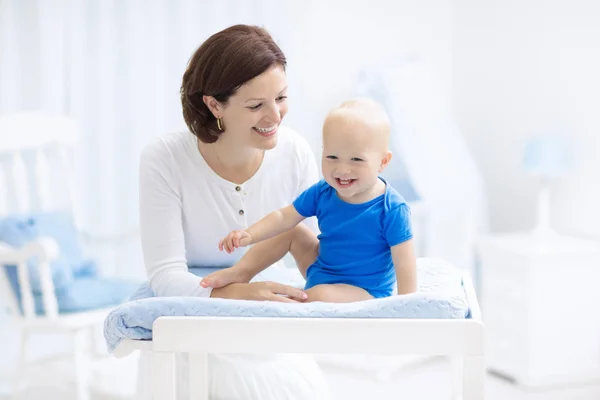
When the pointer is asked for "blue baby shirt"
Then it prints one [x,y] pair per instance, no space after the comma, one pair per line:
[355,239]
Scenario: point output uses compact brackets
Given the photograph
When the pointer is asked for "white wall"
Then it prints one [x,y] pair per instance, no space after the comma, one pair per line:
[334,39]
[522,68]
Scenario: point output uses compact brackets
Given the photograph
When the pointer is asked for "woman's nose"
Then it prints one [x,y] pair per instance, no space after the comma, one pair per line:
[275,113]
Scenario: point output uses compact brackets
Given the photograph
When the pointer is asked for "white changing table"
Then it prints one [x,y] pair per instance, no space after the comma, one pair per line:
[462,339]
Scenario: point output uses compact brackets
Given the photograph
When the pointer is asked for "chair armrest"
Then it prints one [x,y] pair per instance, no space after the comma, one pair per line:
[45,249]
[110,238]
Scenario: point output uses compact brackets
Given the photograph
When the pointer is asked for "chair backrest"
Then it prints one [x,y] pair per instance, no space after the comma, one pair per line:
[36,171]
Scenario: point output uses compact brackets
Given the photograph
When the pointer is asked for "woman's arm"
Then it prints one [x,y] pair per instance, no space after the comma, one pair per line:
[161,228]
[271,291]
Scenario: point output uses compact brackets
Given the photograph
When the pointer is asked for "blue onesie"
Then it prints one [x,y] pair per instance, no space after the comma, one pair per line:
[355,239]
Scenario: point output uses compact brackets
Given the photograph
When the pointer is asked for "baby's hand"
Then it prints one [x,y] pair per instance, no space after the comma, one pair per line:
[234,240]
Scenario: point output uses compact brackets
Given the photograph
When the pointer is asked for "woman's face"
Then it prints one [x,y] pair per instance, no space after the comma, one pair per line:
[253,114]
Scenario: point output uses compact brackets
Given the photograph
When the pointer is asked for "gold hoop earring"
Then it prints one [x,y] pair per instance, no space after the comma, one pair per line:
[220,124]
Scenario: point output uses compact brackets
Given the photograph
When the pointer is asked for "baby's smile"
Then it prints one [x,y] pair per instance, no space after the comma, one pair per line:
[344,183]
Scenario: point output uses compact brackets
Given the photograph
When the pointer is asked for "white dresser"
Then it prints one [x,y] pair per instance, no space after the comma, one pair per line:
[540,301]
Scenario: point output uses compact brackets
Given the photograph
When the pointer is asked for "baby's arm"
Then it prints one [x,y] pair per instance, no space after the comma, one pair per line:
[272,224]
[405,263]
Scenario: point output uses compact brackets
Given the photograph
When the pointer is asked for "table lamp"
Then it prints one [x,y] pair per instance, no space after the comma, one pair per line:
[546,158]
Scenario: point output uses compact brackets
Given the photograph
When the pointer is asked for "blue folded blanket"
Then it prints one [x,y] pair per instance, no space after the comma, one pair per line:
[441,295]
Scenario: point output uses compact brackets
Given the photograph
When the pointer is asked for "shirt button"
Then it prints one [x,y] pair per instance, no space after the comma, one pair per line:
[238,188]
[241,212]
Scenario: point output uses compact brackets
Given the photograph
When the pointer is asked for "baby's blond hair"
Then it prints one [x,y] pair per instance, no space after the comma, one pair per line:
[366,111]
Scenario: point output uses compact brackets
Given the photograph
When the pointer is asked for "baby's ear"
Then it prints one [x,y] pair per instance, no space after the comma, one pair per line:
[385,161]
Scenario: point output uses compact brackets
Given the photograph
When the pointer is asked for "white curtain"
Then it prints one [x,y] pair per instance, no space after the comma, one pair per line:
[116,67]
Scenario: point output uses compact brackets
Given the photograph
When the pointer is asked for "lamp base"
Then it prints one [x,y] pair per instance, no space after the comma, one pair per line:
[543,229]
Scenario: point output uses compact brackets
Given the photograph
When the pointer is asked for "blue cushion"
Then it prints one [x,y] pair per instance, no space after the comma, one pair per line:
[78,286]
[86,294]
[60,226]
[18,230]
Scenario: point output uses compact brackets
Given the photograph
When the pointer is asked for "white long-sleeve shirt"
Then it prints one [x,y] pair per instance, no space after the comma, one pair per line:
[186,208]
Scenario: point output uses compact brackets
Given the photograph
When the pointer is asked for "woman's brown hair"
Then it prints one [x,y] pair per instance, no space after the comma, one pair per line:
[223,63]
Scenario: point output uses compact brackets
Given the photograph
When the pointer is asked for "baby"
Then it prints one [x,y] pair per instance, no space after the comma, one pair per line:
[365,244]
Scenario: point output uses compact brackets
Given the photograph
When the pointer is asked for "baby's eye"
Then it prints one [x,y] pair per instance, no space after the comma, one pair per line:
[357,159]
[280,98]
[256,107]
[332,157]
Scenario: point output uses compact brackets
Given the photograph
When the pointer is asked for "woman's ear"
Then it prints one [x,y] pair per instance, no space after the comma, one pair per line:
[385,161]
[213,105]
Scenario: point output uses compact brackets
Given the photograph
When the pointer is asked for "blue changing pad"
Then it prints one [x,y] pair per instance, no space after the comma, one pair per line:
[441,295]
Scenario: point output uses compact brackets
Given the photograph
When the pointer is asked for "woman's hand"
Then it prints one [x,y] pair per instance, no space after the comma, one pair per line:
[234,240]
[262,291]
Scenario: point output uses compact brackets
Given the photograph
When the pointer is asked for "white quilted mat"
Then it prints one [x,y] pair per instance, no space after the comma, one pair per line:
[441,295]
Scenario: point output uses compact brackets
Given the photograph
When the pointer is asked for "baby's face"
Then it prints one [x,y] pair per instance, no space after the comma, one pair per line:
[354,154]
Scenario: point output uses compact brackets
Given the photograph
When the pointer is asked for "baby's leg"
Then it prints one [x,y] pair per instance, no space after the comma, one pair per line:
[337,293]
[304,247]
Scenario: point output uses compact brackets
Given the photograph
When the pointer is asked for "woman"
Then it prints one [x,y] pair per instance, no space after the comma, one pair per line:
[237,164]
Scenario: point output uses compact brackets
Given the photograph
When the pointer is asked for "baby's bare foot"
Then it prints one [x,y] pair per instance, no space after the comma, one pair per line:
[224,277]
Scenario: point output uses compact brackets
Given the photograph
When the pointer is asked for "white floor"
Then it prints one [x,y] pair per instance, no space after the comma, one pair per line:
[427,380]
[431,380]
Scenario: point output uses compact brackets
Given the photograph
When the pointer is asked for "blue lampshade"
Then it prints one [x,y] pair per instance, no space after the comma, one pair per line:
[547,156]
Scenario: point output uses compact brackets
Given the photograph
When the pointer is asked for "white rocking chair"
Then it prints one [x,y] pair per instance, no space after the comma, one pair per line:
[47,137]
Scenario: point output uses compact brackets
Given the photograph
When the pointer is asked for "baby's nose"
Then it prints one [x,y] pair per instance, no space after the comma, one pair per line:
[342,171]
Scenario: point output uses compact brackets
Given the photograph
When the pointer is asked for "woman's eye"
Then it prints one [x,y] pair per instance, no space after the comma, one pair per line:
[256,107]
